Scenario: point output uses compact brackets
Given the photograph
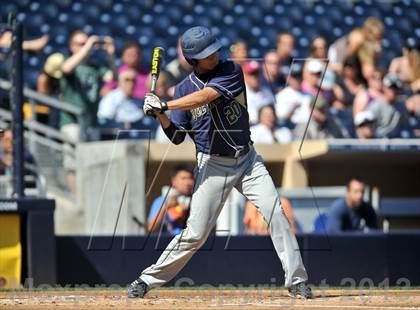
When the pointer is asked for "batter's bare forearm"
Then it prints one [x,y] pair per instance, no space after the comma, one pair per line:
[194,100]
[164,120]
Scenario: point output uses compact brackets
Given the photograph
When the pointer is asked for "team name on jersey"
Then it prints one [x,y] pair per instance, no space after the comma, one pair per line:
[198,112]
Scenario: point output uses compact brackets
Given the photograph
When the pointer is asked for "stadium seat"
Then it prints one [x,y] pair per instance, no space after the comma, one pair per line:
[33,23]
[92,12]
[215,13]
[243,25]
[399,209]
[77,20]
[255,13]
[284,24]
[320,223]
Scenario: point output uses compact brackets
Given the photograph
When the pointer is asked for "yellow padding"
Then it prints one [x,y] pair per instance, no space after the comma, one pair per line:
[10,251]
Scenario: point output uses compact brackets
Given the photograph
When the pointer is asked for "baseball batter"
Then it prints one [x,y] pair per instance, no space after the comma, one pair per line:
[210,105]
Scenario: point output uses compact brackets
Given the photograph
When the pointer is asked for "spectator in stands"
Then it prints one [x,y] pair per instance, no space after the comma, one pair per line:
[257,95]
[6,154]
[271,77]
[120,108]
[130,57]
[239,52]
[255,224]
[351,213]
[364,97]
[34,45]
[364,123]
[266,131]
[319,48]
[285,48]
[407,67]
[346,46]
[348,84]
[81,82]
[373,30]
[6,151]
[389,112]
[322,124]
[412,105]
[176,71]
[171,210]
[49,84]
[312,81]
[292,105]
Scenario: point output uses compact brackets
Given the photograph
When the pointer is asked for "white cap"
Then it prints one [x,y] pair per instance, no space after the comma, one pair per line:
[315,66]
[363,117]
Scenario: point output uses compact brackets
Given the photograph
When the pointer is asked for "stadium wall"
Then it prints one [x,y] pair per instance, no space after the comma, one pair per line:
[337,260]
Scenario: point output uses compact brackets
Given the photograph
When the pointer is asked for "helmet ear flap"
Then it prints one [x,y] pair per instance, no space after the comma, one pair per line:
[192,62]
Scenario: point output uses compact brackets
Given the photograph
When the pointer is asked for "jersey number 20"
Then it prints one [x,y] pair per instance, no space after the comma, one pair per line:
[232,112]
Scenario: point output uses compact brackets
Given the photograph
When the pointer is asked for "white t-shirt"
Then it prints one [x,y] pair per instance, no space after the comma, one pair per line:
[116,106]
[256,100]
[262,134]
[286,100]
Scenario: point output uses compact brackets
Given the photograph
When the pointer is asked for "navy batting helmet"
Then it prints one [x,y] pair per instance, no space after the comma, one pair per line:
[199,43]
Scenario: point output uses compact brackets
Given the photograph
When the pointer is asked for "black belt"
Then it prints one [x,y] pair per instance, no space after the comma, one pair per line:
[235,153]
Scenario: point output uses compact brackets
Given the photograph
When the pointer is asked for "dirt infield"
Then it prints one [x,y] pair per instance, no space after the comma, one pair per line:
[211,299]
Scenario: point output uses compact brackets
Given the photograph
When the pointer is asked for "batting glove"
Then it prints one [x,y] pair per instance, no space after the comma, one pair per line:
[153,104]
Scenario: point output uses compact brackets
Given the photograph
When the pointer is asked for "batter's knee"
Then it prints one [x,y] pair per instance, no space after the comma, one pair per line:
[196,237]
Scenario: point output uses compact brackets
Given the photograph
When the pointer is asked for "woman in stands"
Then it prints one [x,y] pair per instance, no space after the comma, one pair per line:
[407,67]
[349,83]
[48,83]
[366,96]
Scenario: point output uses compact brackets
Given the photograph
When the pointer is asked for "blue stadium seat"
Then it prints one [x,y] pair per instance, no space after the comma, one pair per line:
[255,13]
[58,34]
[215,13]
[174,13]
[243,25]
[101,30]
[63,18]
[6,8]
[148,31]
[271,34]
[320,223]
[295,13]
[92,12]
[284,24]
[34,6]
[404,27]
[50,11]
[77,20]
[119,21]
[162,24]
[255,53]
[142,3]
[33,23]
[64,4]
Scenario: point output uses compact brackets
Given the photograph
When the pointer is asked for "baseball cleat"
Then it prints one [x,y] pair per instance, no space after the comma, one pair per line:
[137,289]
[300,290]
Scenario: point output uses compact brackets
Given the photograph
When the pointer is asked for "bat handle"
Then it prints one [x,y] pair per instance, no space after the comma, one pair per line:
[153,86]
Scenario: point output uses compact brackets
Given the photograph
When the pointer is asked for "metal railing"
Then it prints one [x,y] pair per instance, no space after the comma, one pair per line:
[46,143]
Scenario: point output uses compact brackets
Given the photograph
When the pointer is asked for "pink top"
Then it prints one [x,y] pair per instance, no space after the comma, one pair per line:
[308,89]
[141,78]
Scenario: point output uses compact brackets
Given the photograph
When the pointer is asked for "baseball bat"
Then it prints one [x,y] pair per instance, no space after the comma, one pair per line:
[157,59]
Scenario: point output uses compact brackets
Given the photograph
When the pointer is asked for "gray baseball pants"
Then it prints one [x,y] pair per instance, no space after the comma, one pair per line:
[215,178]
